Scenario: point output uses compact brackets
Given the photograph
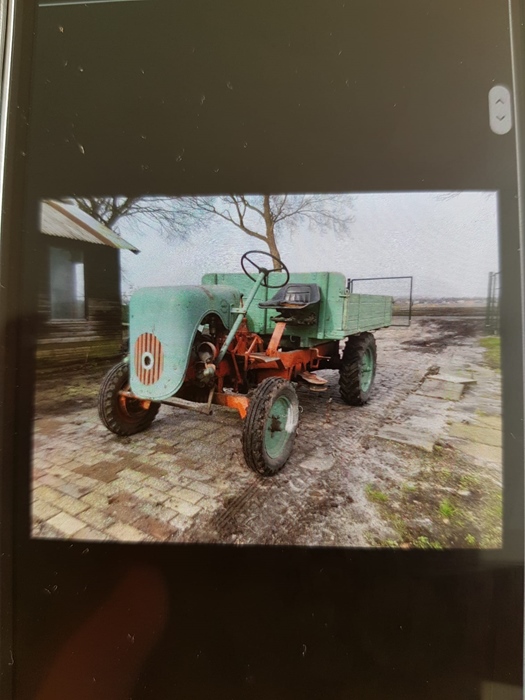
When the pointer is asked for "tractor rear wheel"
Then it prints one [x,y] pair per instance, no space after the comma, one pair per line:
[120,414]
[358,369]
[270,426]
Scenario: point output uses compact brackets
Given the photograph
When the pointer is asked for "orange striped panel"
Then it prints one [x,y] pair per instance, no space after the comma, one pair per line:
[148,347]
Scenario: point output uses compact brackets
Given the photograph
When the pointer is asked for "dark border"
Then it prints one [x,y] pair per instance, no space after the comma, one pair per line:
[319,615]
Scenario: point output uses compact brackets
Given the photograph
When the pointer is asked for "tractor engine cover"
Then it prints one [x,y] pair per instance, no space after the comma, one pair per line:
[163,322]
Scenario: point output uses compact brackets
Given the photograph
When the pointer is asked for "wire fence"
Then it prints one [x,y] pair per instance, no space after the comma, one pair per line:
[399,288]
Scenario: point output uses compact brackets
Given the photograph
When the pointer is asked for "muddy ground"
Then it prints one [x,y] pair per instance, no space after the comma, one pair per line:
[343,485]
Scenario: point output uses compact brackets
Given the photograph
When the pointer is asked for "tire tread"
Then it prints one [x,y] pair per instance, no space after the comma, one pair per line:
[349,373]
[115,379]
[255,425]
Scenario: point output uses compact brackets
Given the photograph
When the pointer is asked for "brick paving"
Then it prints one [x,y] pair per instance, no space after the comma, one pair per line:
[88,483]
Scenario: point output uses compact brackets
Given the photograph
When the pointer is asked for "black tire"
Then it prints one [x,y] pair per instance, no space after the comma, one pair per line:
[353,388]
[120,415]
[263,455]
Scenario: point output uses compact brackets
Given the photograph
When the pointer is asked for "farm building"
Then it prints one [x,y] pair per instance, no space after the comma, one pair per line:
[79,299]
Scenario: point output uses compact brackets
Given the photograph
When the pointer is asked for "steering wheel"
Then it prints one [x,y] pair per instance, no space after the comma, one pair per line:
[282,268]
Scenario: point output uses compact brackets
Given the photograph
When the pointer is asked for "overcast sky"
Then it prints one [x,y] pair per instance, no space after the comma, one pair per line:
[449,245]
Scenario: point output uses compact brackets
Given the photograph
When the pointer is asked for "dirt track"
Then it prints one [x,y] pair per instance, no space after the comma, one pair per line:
[185,479]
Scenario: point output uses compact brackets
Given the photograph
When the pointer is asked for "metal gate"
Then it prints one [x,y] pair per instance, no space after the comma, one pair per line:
[492,309]
[400,288]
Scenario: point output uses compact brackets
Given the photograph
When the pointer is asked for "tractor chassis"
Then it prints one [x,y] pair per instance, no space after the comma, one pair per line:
[248,352]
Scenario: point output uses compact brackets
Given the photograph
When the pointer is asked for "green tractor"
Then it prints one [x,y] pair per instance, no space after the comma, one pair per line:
[244,341]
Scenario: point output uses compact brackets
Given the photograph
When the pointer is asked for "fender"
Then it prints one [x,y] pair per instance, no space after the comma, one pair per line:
[162,326]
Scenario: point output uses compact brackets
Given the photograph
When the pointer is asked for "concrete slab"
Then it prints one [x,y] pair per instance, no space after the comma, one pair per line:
[453,378]
[485,453]
[490,421]
[439,389]
[476,433]
[420,421]
[491,409]
[418,405]
[455,370]
[408,436]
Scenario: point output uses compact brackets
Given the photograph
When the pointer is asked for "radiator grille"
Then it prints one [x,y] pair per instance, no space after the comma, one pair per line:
[149,358]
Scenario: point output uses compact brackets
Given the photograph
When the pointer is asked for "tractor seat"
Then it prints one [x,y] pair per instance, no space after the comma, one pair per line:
[293,296]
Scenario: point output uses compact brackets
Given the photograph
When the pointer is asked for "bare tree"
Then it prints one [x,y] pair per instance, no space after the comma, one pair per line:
[262,216]
[163,212]
[106,210]
[259,216]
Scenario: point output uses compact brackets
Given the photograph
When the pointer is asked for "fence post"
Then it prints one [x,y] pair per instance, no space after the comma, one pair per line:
[492,307]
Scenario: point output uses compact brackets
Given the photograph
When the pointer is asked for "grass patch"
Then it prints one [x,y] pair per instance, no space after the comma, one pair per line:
[467,481]
[424,543]
[446,509]
[375,495]
[492,345]
[445,506]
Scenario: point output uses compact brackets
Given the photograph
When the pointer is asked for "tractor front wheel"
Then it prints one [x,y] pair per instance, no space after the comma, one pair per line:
[121,414]
[358,369]
[270,426]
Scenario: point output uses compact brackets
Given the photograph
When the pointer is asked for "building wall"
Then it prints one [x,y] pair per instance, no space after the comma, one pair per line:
[99,334]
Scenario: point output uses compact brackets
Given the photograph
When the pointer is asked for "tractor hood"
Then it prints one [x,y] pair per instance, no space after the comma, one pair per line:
[163,322]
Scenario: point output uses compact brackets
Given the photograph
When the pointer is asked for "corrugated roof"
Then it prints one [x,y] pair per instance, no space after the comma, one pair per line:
[66,221]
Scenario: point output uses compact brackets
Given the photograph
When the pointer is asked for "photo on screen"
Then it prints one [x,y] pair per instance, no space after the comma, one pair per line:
[301,369]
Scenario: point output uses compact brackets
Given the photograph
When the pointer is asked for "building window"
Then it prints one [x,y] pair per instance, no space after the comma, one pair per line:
[68,294]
